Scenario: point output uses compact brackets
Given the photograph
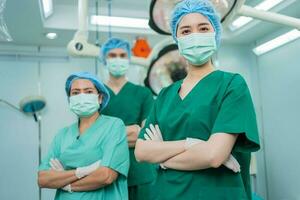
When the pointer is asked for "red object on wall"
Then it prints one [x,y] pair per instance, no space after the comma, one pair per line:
[141,48]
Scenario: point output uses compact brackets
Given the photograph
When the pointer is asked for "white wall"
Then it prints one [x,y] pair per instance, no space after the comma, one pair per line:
[279,77]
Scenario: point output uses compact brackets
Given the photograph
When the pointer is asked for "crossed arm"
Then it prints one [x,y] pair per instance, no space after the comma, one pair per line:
[57,179]
[172,154]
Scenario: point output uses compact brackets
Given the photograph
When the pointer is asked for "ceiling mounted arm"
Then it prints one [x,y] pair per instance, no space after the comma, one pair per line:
[79,45]
[269,16]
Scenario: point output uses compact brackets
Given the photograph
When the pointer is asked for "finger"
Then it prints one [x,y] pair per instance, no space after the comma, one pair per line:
[150,134]
[229,165]
[54,162]
[153,129]
[52,166]
[158,132]
[235,163]
[59,164]
[147,137]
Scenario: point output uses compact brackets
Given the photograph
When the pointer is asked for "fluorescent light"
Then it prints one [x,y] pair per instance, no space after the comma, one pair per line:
[51,36]
[268,4]
[265,5]
[277,42]
[241,21]
[119,21]
[47,7]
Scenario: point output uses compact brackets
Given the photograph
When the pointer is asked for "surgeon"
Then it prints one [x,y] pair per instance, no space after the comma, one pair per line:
[88,160]
[201,125]
[131,103]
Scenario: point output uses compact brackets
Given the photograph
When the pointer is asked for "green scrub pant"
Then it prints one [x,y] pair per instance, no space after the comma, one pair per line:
[142,192]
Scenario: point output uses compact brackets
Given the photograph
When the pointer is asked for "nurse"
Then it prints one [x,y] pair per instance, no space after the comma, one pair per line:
[89,159]
[131,103]
[196,123]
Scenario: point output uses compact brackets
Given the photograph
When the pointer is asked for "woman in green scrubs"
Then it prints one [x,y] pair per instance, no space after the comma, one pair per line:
[212,107]
[132,104]
[89,159]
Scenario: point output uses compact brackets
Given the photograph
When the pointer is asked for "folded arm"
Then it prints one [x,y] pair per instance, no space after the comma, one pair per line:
[98,179]
[56,179]
[157,151]
[210,154]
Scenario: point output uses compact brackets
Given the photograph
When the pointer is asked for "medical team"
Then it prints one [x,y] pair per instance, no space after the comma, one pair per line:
[193,143]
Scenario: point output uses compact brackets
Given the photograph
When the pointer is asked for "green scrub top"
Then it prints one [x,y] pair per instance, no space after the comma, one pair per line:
[105,140]
[133,104]
[220,102]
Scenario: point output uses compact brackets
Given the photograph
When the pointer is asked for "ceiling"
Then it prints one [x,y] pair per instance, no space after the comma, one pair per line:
[27,27]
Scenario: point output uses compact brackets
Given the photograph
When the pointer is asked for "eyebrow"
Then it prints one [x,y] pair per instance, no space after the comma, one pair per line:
[89,88]
[201,24]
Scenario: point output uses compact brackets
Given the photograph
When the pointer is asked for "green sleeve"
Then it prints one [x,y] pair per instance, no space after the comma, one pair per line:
[237,116]
[147,104]
[116,153]
[53,152]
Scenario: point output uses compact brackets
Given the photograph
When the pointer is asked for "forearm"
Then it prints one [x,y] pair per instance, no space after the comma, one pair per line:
[98,179]
[56,179]
[192,159]
[158,152]
[212,153]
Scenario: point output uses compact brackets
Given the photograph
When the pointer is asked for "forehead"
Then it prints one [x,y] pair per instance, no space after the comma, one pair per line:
[117,51]
[82,83]
[192,19]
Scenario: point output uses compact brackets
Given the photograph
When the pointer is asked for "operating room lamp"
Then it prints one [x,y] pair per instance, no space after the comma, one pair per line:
[163,52]
[229,9]
[31,105]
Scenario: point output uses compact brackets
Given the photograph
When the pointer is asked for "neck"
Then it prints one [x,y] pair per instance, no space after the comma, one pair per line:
[196,72]
[86,122]
[116,82]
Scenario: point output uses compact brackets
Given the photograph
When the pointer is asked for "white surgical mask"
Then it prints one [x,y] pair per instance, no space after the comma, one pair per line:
[197,48]
[117,66]
[84,105]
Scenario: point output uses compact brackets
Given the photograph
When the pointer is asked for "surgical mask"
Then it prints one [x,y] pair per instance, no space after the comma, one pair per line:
[197,48]
[117,66]
[84,105]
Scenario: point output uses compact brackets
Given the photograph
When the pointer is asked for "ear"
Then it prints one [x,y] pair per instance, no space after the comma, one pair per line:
[100,98]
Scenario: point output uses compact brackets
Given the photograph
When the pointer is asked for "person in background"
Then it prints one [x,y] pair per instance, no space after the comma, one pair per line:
[131,103]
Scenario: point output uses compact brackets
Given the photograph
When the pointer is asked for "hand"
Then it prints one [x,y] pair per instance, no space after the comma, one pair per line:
[154,134]
[230,163]
[87,170]
[57,166]
[132,134]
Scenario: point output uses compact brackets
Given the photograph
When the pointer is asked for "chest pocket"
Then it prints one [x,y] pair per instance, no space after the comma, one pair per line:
[82,156]
[201,121]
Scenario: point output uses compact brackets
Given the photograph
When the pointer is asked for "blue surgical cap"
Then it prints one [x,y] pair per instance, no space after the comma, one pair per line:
[114,43]
[94,79]
[204,7]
